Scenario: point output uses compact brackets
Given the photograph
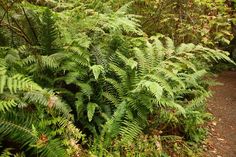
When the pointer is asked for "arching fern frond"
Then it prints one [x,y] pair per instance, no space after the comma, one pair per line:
[47,99]
[129,131]
[17,82]
[19,128]
[118,71]
[7,105]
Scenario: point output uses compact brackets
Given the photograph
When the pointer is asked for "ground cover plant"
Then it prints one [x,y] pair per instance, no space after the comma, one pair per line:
[78,78]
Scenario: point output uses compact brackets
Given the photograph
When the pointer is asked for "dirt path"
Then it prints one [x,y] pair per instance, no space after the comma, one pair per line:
[222,105]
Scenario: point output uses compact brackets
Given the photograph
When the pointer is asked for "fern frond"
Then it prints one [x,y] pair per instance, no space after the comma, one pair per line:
[85,88]
[119,72]
[97,70]
[163,82]
[169,44]
[184,48]
[116,85]
[91,110]
[6,153]
[49,62]
[172,76]
[128,61]
[143,66]
[167,103]
[130,130]
[53,148]
[198,101]
[29,60]
[47,99]
[18,82]
[48,33]
[112,125]
[152,87]
[110,98]
[7,105]
[19,128]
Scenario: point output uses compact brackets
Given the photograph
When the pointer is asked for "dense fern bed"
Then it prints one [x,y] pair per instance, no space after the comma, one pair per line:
[80,79]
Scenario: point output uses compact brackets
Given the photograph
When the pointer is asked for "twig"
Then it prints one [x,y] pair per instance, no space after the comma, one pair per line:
[31,26]
[6,10]
[15,30]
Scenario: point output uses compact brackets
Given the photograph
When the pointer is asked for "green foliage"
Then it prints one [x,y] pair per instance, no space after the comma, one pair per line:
[90,110]
[79,68]
[97,70]
[19,128]
[48,33]
[205,21]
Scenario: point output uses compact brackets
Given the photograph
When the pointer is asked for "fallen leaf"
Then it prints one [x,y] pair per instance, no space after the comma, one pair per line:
[214,123]
[220,139]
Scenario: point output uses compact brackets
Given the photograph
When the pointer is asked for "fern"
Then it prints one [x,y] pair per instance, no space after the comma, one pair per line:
[110,97]
[101,75]
[6,153]
[129,131]
[47,99]
[90,110]
[7,105]
[152,87]
[48,33]
[19,129]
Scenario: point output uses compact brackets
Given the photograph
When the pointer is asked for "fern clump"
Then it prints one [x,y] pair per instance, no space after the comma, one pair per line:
[83,79]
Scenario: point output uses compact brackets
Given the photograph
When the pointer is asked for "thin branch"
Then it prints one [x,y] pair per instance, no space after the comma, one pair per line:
[31,26]
[16,30]
[3,16]
[6,10]
[22,31]
[19,31]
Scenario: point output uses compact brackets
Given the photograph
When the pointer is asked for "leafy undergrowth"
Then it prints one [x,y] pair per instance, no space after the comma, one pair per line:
[77,82]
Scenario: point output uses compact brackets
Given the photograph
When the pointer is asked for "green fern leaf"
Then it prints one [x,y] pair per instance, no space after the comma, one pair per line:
[97,70]
[151,86]
[19,128]
[2,83]
[129,131]
[91,110]
[7,105]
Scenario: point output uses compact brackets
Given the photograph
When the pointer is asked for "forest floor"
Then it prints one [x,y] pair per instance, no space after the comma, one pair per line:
[222,140]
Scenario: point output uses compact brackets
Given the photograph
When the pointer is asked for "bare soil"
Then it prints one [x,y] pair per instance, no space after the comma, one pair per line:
[222,139]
